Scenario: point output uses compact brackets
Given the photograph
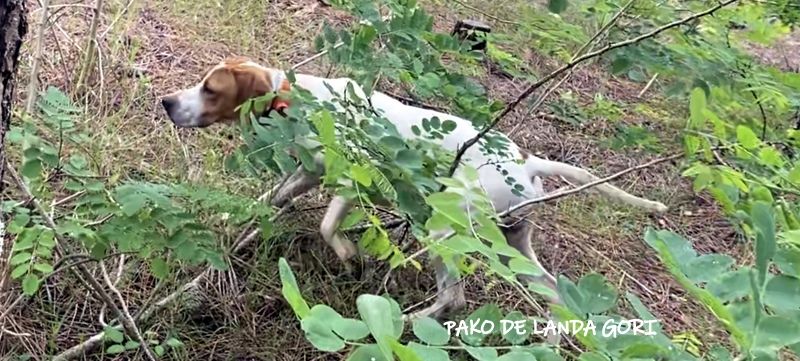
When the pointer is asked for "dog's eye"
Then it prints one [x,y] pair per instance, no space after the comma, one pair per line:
[206,90]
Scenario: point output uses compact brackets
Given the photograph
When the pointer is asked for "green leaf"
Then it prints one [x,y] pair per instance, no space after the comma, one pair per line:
[114,335]
[318,331]
[773,333]
[159,268]
[428,353]
[30,284]
[482,353]
[373,310]
[510,331]
[697,104]
[782,293]
[290,290]
[598,294]
[133,205]
[557,6]
[764,224]
[32,169]
[409,158]
[516,356]
[131,345]
[746,137]
[350,329]
[620,65]
[20,258]
[173,342]
[643,350]
[115,349]
[361,175]
[367,353]
[19,271]
[524,266]
[430,331]
[404,353]
[489,314]
[43,268]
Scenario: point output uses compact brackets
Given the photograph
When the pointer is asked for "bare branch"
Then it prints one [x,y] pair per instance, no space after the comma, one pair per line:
[527,92]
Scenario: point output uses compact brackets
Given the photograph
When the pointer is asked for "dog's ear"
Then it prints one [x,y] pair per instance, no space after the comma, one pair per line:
[251,83]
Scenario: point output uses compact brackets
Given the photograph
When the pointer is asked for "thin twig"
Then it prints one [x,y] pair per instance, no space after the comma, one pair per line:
[33,81]
[527,92]
[126,313]
[649,84]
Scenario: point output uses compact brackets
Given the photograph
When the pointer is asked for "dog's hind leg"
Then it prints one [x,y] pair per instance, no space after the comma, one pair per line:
[518,235]
[449,292]
[329,228]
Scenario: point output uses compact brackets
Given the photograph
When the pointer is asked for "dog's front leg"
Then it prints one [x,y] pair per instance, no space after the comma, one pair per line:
[449,292]
[300,182]
[329,228]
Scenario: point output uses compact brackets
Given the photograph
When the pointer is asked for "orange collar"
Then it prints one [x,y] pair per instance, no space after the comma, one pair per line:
[280,85]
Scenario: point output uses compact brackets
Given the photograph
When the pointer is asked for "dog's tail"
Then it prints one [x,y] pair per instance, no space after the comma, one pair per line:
[538,167]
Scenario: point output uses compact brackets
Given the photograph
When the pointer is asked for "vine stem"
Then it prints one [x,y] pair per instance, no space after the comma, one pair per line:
[566,67]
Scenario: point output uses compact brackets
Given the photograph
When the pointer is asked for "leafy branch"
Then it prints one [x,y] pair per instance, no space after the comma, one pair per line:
[527,92]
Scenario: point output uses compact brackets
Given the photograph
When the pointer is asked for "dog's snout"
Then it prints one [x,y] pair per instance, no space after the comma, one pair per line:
[168,103]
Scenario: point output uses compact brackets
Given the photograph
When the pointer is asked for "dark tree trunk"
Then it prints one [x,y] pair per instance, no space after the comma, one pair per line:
[12,31]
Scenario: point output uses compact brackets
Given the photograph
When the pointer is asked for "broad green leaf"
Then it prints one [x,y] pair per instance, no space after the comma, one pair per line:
[570,294]
[783,293]
[404,353]
[131,345]
[409,158]
[290,290]
[516,356]
[509,330]
[115,349]
[430,331]
[746,137]
[428,353]
[643,350]
[361,175]
[557,6]
[489,315]
[598,295]
[114,335]
[159,268]
[774,332]
[697,104]
[318,331]
[43,268]
[524,266]
[708,266]
[369,352]
[482,353]
[133,205]
[592,356]
[350,329]
[374,311]
[30,284]
[764,224]
[20,258]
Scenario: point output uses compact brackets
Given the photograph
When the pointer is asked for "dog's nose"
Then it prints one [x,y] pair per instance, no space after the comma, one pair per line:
[168,103]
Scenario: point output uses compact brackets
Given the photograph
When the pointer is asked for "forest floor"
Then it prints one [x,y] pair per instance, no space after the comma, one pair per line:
[154,47]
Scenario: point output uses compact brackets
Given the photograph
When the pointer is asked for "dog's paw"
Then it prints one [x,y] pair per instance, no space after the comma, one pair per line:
[660,208]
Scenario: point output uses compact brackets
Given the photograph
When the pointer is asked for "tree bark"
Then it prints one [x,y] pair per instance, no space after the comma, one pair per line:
[12,30]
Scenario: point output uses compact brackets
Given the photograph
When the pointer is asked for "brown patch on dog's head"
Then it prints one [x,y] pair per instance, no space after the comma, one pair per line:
[223,88]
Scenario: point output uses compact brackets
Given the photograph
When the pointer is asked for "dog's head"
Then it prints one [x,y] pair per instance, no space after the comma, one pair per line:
[221,90]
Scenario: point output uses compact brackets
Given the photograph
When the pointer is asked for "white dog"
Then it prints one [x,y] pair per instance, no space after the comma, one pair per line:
[232,82]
